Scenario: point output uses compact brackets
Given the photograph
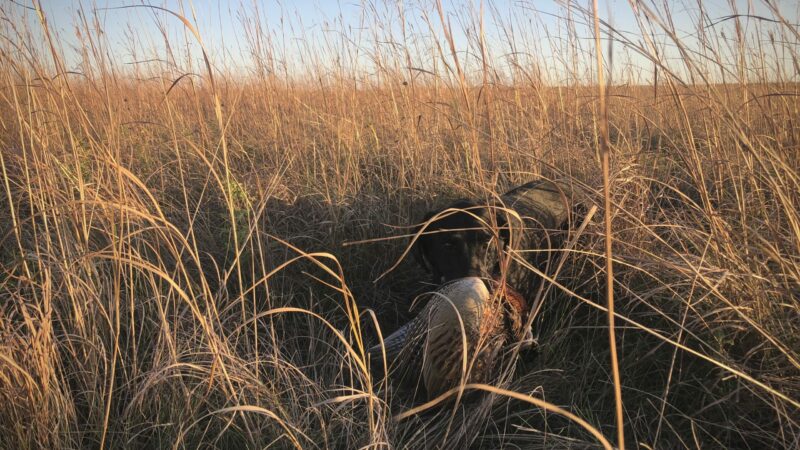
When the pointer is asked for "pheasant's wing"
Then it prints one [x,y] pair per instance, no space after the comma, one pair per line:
[443,350]
[453,326]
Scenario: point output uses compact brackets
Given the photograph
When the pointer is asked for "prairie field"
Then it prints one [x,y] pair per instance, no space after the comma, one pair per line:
[197,250]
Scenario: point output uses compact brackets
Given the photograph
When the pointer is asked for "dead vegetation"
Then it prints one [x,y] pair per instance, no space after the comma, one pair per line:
[174,267]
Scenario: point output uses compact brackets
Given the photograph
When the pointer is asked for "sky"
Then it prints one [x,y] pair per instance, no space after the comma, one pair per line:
[344,35]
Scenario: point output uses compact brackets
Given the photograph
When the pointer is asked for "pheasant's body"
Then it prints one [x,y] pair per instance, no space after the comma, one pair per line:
[460,315]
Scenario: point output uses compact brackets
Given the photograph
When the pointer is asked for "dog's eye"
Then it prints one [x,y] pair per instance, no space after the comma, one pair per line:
[449,244]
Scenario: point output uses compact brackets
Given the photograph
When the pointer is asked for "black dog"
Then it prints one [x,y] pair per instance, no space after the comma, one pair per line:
[468,239]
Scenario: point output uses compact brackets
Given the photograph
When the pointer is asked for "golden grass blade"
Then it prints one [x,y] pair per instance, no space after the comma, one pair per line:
[516,395]
[605,151]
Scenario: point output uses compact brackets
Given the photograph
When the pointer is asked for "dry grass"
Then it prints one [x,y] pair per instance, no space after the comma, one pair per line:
[174,267]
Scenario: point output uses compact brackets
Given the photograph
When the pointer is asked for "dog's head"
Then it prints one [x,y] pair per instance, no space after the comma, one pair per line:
[457,242]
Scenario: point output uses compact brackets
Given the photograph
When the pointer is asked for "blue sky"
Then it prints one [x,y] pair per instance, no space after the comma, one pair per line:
[317,32]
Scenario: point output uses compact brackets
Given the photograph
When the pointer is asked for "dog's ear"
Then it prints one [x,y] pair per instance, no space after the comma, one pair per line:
[418,248]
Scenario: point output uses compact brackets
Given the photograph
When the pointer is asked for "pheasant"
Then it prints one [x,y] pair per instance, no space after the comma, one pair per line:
[473,313]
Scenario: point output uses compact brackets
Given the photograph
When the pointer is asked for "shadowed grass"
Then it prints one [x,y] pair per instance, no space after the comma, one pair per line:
[172,239]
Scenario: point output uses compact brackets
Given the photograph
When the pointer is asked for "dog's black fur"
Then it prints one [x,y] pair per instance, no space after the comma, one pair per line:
[466,238]
[457,242]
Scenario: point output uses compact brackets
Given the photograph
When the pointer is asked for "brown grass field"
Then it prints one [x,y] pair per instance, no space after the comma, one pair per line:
[191,257]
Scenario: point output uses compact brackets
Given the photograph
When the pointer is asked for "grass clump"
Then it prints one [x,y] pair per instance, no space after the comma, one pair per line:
[189,253]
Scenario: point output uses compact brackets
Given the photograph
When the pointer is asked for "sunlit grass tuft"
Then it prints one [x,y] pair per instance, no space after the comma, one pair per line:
[173,239]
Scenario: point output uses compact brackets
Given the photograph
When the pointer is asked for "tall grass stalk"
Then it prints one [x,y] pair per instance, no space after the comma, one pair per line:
[196,240]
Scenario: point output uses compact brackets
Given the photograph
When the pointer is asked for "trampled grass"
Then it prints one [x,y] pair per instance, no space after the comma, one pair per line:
[189,254]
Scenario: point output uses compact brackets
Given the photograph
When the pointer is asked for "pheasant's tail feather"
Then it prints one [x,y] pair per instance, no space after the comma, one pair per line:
[402,345]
